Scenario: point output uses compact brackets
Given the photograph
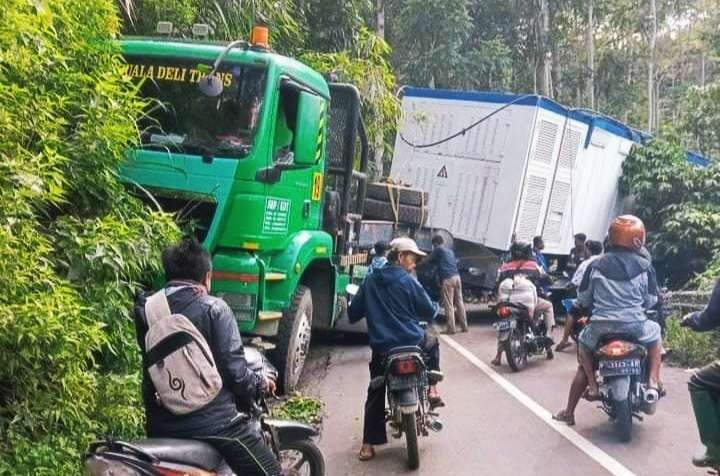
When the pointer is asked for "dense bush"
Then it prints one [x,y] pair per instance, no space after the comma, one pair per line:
[73,243]
[690,348]
[680,204]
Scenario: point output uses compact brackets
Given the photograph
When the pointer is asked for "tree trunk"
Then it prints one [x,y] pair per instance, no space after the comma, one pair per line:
[380,17]
[544,79]
[591,54]
[652,104]
[702,70]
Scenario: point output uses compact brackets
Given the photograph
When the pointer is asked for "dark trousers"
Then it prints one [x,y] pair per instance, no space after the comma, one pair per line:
[244,450]
[374,424]
[707,378]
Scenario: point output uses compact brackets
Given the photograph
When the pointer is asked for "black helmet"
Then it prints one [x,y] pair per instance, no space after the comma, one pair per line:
[521,250]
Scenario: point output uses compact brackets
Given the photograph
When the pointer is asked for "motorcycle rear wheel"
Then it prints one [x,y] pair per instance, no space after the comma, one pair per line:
[623,419]
[308,460]
[515,352]
[411,440]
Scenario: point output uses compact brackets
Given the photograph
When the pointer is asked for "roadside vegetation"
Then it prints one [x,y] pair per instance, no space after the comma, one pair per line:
[74,244]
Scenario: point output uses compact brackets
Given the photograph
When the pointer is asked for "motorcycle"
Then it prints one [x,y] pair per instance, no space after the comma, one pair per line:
[520,335]
[622,365]
[290,441]
[409,412]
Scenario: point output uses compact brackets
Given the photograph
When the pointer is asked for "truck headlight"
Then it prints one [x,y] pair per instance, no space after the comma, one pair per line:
[242,305]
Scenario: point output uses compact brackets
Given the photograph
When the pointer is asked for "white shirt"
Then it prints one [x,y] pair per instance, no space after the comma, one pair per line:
[580,271]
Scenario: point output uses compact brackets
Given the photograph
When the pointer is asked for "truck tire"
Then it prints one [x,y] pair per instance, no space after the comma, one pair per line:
[379,210]
[407,196]
[294,339]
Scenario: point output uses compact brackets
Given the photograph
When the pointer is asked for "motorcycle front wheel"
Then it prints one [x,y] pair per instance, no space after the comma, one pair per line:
[515,351]
[411,440]
[302,457]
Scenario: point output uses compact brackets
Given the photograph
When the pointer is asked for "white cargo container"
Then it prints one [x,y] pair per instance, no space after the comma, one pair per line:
[533,168]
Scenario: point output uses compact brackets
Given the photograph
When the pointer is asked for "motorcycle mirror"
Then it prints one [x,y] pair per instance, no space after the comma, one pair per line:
[210,85]
[352,289]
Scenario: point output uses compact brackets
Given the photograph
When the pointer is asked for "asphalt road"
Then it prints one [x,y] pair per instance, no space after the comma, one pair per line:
[498,422]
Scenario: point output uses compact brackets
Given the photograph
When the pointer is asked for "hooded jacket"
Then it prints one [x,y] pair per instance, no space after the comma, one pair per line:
[393,303]
[619,286]
[215,320]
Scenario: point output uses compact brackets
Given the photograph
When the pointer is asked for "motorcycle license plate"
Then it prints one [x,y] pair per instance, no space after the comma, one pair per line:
[504,325]
[609,368]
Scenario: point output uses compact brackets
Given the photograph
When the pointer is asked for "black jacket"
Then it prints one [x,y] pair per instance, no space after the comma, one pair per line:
[214,319]
[709,318]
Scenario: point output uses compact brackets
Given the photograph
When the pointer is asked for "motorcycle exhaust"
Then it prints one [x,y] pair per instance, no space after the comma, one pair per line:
[650,399]
[650,395]
[435,425]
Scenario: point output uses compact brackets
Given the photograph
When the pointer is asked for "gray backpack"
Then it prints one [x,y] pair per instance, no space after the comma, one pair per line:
[178,359]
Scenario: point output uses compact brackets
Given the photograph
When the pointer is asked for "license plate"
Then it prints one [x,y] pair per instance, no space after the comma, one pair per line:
[503,325]
[619,367]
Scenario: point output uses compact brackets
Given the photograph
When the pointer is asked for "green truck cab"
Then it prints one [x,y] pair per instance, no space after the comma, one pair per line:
[260,163]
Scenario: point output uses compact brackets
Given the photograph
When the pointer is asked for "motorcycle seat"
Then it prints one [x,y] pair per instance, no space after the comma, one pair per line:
[192,452]
[407,349]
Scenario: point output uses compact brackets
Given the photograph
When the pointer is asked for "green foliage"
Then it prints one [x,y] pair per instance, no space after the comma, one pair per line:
[73,244]
[700,122]
[229,19]
[300,408]
[367,67]
[680,204]
[431,35]
[690,348]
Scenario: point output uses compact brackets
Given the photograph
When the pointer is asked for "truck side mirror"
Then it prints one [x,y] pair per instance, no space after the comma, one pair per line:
[309,129]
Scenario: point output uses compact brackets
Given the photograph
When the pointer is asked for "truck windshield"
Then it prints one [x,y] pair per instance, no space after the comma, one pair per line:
[180,118]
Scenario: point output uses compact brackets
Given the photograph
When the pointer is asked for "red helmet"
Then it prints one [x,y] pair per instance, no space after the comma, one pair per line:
[627,231]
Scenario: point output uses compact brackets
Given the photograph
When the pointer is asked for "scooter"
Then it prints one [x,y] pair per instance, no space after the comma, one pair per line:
[290,441]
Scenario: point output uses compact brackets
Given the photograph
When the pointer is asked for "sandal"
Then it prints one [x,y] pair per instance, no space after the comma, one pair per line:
[496,362]
[564,417]
[591,396]
[366,454]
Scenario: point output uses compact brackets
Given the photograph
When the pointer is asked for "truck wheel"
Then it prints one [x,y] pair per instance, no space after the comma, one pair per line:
[380,210]
[294,339]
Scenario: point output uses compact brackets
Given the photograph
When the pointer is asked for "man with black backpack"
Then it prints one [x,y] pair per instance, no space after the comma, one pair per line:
[194,366]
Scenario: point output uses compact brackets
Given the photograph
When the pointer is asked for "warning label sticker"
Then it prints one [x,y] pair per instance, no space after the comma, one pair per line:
[443,172]
[277,215]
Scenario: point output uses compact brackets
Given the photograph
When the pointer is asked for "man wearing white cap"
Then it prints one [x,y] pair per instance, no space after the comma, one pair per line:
[393,303]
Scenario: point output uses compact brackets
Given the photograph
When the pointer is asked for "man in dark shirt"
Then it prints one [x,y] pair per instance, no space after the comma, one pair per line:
[577,254]
[450,285]
[704,386]
[188,271]
[393,302]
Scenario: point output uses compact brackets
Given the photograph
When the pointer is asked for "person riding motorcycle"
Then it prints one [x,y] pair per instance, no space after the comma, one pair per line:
[618,288]
[523,263]
[593,251]
[704,386]
[188,272]
[393,302]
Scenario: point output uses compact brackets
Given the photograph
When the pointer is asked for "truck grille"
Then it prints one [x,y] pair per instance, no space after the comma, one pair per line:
[192,214]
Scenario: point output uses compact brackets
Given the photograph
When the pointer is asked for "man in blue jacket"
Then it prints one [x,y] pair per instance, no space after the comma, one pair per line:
[393,303]
[704,386]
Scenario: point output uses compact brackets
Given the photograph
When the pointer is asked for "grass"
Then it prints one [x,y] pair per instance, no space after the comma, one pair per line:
[690,348]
